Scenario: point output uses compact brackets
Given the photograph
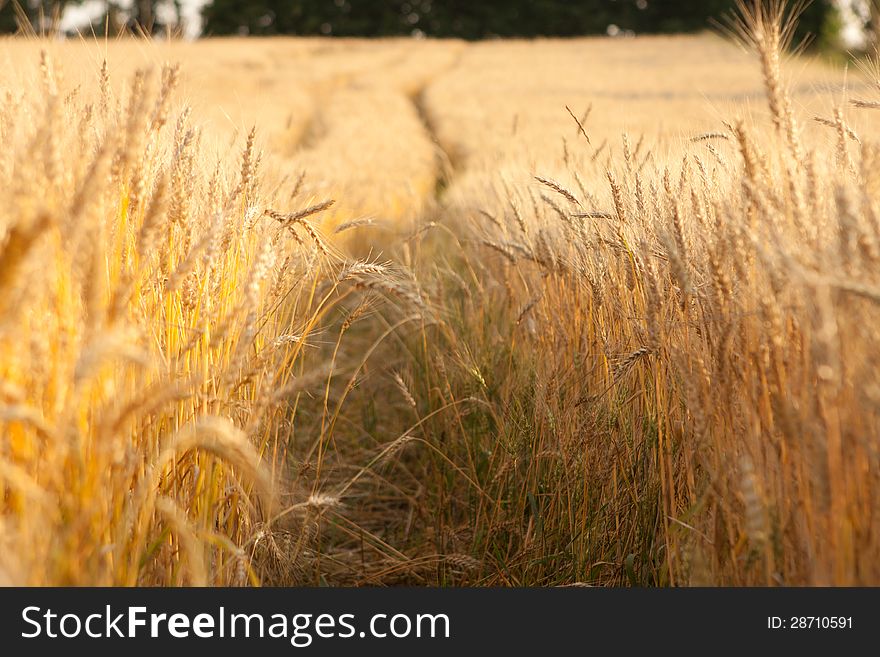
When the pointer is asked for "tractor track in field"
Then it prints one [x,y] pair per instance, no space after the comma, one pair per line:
[447,164]
[340,127]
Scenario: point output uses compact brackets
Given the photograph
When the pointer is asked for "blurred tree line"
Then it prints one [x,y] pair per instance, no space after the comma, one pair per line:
[468,19]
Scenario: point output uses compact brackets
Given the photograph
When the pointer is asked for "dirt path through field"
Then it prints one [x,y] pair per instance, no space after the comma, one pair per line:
[371,146]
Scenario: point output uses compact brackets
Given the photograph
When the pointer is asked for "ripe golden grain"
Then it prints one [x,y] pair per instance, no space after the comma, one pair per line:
[674,383]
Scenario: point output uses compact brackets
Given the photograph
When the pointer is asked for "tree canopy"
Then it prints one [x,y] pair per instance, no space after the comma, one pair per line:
[478,20]
[31,10]
[464,19]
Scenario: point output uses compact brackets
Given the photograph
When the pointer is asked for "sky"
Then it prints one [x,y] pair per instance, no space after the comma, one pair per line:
[77,16]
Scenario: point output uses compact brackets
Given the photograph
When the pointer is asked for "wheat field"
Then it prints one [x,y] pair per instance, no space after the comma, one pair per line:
[507,313]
